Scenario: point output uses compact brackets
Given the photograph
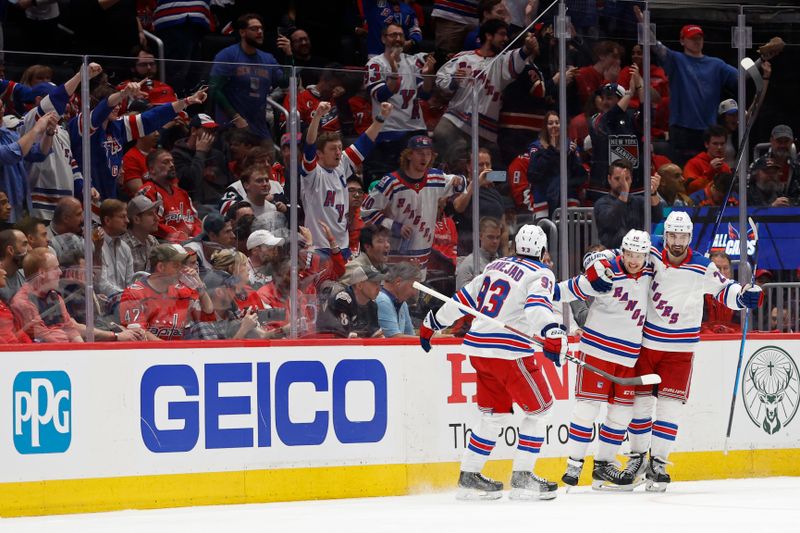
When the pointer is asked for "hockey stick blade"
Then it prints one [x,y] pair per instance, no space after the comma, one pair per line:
[647,379]
[752,70]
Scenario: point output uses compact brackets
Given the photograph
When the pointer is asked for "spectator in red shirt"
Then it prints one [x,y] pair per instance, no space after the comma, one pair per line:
[162,304]
[177,217]
[717,317]
[701,169]
[445,240]
[606,69]
[355,190]
[134,162]
[713,194]
[10,331]
[145,68]
[42,310]
[328,89]
[659,94]
[277,295]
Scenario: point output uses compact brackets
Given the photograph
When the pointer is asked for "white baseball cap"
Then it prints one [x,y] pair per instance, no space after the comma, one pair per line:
[727,107]
[262,236]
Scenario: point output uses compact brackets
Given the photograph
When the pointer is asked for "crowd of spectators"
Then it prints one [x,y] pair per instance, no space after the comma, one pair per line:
[190,180]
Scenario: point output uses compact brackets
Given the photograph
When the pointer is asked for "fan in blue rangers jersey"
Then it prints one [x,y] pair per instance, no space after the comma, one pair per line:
[406,201]
[611,341]
[110,133]
[517,291]
[324,173]
[243,76]
[681,279]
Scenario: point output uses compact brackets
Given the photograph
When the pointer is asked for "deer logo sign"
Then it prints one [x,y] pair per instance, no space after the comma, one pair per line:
[770,389]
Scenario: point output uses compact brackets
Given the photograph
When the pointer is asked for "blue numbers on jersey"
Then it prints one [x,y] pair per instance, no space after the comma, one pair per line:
[497,292]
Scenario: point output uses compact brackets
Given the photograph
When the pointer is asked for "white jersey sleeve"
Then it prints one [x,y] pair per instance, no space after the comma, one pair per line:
[407,113]
[514,290]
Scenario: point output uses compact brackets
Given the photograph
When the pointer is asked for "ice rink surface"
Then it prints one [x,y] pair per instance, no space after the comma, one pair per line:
[746,505]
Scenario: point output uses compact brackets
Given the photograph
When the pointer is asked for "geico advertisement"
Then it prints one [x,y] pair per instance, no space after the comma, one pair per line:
[82,414]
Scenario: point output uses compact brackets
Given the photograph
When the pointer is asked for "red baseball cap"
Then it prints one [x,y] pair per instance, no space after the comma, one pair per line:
[691,30]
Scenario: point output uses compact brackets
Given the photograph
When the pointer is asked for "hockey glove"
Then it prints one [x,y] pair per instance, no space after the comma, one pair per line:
[599,275]
[751,296]
[427,329]
[555,342]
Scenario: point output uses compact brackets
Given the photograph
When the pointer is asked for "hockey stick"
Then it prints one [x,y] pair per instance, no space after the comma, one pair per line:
[752,70]
[744,338]
[647,379]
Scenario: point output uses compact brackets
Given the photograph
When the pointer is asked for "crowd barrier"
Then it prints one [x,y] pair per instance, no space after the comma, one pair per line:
[140,427]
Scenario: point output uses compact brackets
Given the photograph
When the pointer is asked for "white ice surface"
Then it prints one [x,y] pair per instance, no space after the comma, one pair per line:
[746,505]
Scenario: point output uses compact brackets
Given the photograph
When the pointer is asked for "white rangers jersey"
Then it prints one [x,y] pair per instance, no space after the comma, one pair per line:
[406,115]
[516,291]
[324,191]
[397,200]
[613,328]
[675,304]
[57,176]
[503,71]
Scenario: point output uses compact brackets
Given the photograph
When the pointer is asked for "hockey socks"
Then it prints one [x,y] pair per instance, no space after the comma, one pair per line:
[482,441]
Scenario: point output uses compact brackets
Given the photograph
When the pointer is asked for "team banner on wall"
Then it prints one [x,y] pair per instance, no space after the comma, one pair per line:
[76,414]
[778,228]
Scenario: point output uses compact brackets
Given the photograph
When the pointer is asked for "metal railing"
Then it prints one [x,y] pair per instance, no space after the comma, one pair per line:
[781,309]
[581,233]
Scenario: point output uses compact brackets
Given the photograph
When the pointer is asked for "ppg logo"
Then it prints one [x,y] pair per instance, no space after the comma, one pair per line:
[42,412]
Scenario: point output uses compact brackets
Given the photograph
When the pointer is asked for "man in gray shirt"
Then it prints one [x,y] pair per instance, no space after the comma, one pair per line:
[13,248]
[490,235]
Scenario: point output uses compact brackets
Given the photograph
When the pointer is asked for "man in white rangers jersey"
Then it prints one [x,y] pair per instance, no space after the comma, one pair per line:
[324,173]
[58,176]
[402,80]
[681,279]
[406,201]
[455,79]
[517,291]
[611,341]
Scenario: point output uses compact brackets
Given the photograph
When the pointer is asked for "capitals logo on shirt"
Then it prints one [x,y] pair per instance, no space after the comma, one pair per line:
[727,240]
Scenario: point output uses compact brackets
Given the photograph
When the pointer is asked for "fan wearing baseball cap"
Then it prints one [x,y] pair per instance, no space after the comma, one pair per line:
[781,153]
[696,83]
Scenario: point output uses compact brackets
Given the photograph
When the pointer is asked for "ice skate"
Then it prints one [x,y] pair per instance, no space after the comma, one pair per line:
[656,475]
[476,486]
[606,476]
[637,465]
[529,486]
[573,473]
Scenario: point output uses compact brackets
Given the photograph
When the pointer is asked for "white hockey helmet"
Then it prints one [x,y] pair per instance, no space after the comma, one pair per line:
[530,240]
[678,222]
[636,241]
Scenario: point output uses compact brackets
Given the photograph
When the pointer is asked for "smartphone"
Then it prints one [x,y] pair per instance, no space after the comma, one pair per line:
[271,315]
[496,176]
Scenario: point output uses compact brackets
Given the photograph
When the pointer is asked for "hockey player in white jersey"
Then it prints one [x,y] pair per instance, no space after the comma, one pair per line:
[611,341]
[455,78]
[681,279]
[518,291]
[406,201]
[324,172]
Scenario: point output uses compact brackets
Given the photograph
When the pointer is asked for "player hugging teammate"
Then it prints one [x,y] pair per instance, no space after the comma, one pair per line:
[645,319]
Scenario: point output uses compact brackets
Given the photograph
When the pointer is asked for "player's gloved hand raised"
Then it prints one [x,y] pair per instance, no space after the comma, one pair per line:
[555,342]
[599,275]
[427,329]
[751,296]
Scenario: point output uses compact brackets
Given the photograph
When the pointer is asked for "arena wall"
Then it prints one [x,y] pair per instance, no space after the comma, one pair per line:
[107,427]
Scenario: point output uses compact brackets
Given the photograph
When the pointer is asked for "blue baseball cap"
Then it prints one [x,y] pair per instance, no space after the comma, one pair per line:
[419,141]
